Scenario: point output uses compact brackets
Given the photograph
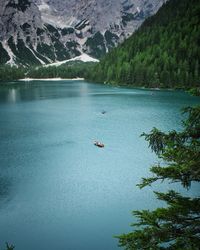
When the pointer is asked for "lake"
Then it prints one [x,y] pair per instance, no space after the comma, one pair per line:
[57,190]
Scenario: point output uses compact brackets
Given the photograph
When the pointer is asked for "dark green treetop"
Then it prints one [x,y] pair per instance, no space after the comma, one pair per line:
[177,225]
[163,52]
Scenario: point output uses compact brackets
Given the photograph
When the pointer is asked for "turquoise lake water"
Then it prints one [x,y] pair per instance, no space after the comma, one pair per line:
[57,190]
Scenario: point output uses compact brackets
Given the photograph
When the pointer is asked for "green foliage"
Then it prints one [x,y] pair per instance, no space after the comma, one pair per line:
[21,5]
[176,226]
[96,45]
[53,31]
[70,70]
[40,31]
[9,247]
[41,57]
[127,17]
[46,50]
[11,73]
[72,47]
[67,31]
[60,50]
[4,57]
[163,52]
[194,91]
[111,39]
[24,56]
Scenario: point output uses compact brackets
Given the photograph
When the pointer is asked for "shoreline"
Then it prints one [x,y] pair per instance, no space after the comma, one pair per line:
[50,79]
[129,86]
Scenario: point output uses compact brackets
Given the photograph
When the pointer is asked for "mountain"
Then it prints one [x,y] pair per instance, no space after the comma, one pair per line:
[163,52]
[46,31]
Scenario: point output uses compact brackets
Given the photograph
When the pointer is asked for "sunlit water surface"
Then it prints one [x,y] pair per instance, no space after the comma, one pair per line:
[57,190]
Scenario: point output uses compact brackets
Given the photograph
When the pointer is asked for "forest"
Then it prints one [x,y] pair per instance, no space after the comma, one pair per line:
[69,70]
[163,52]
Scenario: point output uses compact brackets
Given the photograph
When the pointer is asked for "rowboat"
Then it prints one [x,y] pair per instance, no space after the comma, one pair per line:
[99,144]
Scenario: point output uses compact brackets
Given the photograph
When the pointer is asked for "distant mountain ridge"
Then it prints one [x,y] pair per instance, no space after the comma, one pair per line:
[163,52]
[46,31]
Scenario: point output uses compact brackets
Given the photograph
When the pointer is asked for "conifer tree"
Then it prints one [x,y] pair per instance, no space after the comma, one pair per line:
[163,52]
[177,225]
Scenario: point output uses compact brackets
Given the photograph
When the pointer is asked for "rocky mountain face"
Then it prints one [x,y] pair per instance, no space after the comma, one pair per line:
[46,31]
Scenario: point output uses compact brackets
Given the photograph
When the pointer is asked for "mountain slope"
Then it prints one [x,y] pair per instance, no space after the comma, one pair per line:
[47,31]
[164,52]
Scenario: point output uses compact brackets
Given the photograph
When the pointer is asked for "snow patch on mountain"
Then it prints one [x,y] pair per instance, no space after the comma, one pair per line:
[10,53]
[82,58]
[42,62]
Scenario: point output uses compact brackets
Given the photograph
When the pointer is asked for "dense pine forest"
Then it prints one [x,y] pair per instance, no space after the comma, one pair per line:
[68,70]
[8,73]
[163,52]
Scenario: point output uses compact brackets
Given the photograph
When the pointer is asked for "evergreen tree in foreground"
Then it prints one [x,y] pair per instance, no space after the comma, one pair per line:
[9,247]
[176,226]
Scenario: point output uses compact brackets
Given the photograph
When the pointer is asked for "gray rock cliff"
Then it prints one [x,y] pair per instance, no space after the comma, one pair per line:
[45,31]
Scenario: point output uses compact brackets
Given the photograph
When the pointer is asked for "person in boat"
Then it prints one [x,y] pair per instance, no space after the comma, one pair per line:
[99,144]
